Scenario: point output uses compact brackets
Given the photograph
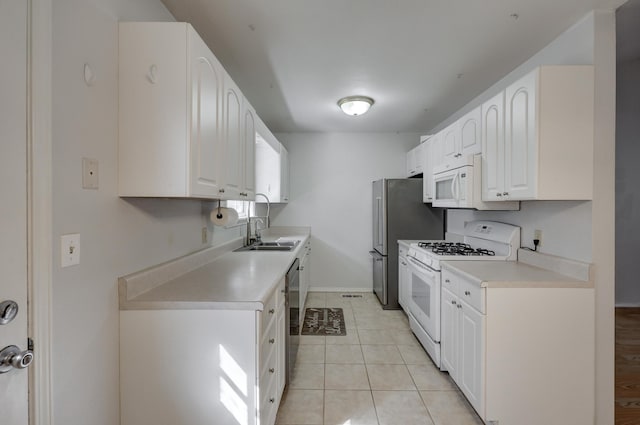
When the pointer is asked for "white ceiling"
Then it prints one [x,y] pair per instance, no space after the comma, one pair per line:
[421,60]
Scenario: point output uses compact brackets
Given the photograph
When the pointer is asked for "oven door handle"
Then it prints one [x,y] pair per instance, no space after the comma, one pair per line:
[422,268]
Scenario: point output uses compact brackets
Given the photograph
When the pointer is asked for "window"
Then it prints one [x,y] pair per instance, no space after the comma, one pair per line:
[243,208]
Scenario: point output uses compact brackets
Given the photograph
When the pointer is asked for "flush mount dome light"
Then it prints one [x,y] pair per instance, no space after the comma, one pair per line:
[355,105]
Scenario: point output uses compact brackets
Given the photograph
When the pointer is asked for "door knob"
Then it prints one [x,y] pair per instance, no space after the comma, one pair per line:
[8,311]
[12,358]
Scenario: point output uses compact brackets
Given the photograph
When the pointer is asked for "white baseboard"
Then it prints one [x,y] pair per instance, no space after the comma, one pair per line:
[337,289]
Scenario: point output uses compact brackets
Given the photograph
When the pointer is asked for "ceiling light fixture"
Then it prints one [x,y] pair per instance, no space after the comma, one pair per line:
[355,105]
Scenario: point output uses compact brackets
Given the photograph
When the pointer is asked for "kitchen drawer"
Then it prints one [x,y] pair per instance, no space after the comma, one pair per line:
[268,402]
[450,281]
[472,294]
[269,313]
[268,340]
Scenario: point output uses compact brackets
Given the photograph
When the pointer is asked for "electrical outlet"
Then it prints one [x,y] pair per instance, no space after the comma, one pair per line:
[204,234]
[89,173]
[537,234]
[70,250]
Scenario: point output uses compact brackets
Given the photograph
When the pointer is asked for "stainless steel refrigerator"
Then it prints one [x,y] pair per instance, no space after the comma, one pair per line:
[398,213]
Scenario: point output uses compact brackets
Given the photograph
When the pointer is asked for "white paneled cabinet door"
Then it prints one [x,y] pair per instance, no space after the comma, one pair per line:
[249,152]
[470,134]
[13,189]
[521,147]
[493,148]
[449,335]
[427,176]
[450,142]
[233,140]
[207,79]
[471,354]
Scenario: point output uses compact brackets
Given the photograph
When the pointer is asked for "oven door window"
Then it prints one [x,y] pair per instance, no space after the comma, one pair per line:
[425,300]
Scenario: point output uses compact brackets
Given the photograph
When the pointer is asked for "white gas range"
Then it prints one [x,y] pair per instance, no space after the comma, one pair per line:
[482,240]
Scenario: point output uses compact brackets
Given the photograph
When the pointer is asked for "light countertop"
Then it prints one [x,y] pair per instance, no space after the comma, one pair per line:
[513,274]
[214,278]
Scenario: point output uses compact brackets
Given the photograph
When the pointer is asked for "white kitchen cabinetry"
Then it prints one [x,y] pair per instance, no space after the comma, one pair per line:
[198,366]
[305,277]
[174,117]
[415,161]
[272,166]
[450,139]
[462,339]
[403,277]
[516,350]
[537,137]
[433,157]
[470,140]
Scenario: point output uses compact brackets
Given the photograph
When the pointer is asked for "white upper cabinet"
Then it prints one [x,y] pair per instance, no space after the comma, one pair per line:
[249,151]
[470,140]
[284,174]
[462,137]
[450,139]
[415,161]
[539,144]
[432,156]
[182,121]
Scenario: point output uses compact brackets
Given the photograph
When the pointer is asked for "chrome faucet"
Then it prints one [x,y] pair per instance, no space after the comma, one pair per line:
[258,238]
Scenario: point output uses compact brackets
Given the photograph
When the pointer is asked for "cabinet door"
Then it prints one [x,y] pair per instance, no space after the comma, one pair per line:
[402,281]
[521,146]
[411,163]
[207,79]
[284,174]
[281,351]
[450,142]
[249,152]
[493,148]
[419,158]
[470,134]
[233,138]
[449,336]
[427,175]
[471,355]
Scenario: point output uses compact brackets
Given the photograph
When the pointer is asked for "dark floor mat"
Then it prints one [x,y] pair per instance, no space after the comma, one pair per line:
[324,322]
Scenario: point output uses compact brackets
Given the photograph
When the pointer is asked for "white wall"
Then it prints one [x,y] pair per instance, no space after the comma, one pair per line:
[565,225]
[118,236]
[331,175]
[628,166]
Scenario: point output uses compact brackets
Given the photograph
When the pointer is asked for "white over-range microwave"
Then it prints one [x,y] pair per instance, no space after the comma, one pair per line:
[458,184]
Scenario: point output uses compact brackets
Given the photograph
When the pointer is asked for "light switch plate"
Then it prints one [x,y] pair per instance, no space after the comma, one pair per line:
[70,250]
[89,173]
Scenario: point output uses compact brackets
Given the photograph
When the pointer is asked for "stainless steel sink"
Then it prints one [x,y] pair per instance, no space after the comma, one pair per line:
[269,246]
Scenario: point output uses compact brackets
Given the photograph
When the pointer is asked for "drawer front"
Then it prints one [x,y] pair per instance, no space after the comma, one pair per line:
[268,341]
[268,402]
[472,294]
[450,281]
[269,312]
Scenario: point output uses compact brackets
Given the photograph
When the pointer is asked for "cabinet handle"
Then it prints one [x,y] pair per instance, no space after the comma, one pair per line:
[459,305]
[467,293]
[453,302]
[271,370]
[499,194]
[221,190]
[447,281]
[272,400]
[272,340]
[271,311]
[505,193]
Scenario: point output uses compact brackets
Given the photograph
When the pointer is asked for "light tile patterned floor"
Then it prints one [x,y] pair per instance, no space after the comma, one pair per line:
[378,374]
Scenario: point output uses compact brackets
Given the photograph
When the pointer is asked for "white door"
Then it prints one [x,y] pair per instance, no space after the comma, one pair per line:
[471,352]
[520,139]
[13,207]
[493,148]
[449,337]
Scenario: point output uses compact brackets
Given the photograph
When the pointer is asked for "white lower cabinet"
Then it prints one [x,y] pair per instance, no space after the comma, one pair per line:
[462,345]
[521,355]
[305,277]
[199,367]
[403,277]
